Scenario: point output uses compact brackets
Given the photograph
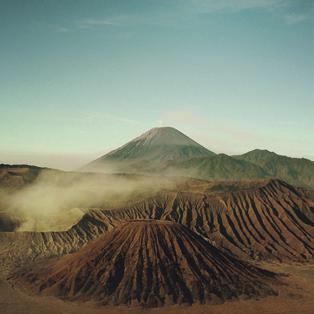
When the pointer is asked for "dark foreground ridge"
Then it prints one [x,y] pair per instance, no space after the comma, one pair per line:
[149,263]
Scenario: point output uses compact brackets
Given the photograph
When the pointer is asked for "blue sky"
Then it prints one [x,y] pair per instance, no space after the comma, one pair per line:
[79,78]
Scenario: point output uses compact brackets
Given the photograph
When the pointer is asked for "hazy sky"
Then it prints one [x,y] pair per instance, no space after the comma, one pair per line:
[79,78]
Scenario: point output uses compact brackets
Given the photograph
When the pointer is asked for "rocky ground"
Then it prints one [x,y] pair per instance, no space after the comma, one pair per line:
[295,298]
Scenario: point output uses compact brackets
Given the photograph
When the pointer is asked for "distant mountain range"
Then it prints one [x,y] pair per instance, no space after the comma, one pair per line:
[298,171]
[167,151]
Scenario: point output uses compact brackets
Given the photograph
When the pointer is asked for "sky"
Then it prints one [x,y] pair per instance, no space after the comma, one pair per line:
[80,78]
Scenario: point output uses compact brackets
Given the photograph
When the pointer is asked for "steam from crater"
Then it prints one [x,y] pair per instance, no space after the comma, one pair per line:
[56,200]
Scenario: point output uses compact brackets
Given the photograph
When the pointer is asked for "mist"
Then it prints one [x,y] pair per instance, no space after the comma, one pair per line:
[56,200]
[63,161]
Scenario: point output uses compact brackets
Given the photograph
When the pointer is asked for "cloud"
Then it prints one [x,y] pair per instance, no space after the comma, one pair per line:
[160,123]
[86,23]
[295,18]
[292,12]
[60,29]
[235,6]
[92,23]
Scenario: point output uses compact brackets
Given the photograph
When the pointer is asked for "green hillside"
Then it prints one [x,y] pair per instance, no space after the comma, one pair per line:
[297,171]
[219,167]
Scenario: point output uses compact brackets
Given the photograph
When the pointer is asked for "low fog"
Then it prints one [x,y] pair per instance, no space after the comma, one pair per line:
[56,200]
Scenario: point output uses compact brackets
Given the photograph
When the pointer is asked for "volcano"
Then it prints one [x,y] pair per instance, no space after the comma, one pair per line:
[167,151]
[150,152]
[149,263]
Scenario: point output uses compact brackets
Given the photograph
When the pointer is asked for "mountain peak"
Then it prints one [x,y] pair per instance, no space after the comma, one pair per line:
[261,151]
[165,136]
[151,151]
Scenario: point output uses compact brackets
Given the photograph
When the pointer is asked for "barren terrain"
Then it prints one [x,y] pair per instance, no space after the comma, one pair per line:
[296,298]
[211,234]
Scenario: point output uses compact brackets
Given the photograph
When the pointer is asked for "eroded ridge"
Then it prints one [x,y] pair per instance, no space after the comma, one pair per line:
[149,263]
[273,221]
[270,222]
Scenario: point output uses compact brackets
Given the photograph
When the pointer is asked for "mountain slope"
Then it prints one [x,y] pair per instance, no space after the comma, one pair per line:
[218,167]
[13,177]
[297,171]
[150,152]
[149,263]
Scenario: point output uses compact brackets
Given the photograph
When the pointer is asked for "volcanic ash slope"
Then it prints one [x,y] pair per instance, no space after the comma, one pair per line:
[149,263]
